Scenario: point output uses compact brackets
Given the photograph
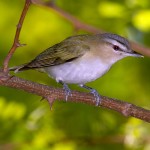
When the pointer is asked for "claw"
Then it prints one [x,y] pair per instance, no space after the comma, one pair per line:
[67,90]
[94,92]
[97,96]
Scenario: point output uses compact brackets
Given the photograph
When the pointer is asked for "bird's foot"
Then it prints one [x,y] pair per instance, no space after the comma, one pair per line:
[94,92]
[67,90]
[97,96]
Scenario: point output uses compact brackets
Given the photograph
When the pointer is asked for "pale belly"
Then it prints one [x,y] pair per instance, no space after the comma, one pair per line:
[78,72]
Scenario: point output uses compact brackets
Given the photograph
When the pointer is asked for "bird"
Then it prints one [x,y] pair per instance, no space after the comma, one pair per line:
[81,59]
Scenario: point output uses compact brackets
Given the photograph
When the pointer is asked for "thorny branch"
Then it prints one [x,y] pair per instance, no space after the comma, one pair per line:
[50,93]
[16,39]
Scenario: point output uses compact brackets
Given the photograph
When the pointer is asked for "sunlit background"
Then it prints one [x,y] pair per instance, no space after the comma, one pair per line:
[26,123]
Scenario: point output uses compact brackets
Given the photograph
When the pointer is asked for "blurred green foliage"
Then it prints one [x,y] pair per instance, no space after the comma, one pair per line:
[28,124]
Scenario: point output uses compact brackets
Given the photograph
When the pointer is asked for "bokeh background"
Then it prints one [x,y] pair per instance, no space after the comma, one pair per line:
[26,123]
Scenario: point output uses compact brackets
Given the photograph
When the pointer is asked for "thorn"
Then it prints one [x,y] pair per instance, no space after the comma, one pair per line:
[50,100]
[20,45]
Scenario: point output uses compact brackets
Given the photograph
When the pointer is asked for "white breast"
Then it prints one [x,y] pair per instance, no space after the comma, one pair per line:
[78,71]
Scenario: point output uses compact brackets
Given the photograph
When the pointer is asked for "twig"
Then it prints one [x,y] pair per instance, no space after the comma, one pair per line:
[76,22]
[51,93]
[140,48]
[16,42]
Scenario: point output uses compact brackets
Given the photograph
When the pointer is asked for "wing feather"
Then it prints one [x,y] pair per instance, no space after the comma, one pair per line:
[65,51]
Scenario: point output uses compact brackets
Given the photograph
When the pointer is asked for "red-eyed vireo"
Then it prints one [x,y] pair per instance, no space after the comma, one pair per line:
[81,59]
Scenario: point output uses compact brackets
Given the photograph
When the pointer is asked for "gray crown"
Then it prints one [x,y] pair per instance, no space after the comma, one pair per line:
[118,38]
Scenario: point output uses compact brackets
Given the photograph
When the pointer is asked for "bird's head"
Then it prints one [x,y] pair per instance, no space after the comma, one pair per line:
[113,47]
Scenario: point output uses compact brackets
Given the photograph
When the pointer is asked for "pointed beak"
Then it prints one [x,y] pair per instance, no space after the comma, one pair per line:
[135,54]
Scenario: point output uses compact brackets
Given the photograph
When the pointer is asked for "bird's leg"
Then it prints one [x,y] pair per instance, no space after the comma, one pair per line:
[94,92]
[66,88]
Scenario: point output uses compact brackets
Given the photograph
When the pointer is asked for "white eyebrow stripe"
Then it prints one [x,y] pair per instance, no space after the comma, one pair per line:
[114,42]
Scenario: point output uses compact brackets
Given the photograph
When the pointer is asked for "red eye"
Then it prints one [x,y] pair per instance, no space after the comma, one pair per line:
[115,47]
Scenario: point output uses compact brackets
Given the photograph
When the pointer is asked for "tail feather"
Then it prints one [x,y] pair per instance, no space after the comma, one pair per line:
[19,68]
